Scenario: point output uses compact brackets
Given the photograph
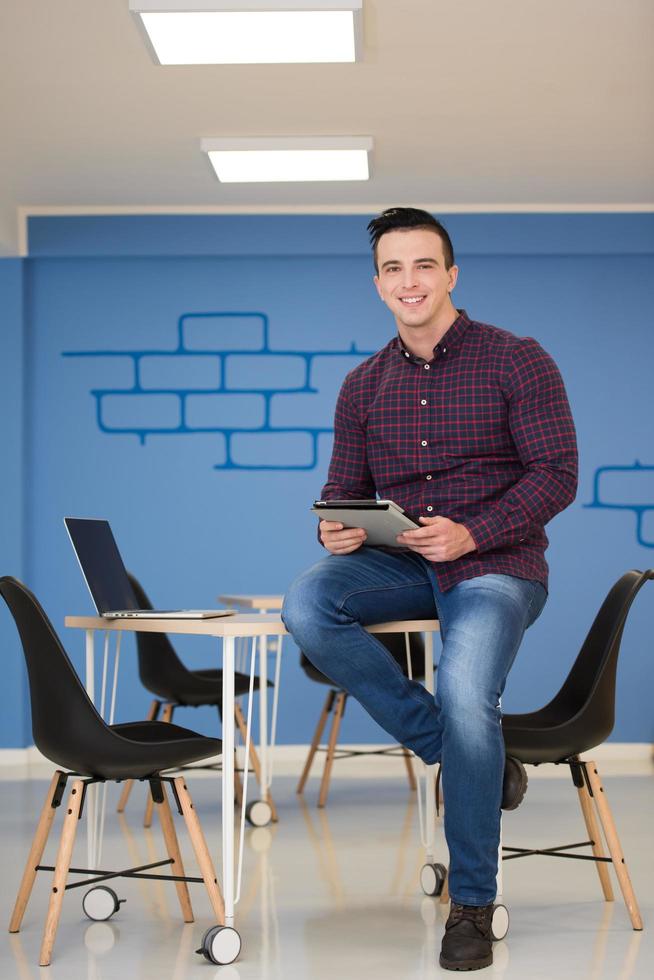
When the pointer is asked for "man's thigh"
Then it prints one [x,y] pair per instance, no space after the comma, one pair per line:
[369,586]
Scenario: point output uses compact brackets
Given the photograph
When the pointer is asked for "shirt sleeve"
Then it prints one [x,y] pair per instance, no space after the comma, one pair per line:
[541,426]
[349,476]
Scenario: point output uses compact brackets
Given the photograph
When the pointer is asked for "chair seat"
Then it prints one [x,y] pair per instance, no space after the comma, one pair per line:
[535,738]
[136,750]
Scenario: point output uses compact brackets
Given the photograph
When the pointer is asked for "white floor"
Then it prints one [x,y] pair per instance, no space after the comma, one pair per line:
[333,894]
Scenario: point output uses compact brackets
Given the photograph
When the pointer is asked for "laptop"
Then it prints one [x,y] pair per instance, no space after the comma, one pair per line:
[106,577]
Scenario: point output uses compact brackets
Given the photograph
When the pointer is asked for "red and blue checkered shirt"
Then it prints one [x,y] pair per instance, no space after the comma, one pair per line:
[482,434]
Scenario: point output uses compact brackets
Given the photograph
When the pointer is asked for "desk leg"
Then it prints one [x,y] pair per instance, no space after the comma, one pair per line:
[228,778]
[263,715]
[90,664]
[430,771]
[91,795]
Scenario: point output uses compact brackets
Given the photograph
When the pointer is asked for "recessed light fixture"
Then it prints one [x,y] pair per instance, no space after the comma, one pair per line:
[225,32]
[290,158]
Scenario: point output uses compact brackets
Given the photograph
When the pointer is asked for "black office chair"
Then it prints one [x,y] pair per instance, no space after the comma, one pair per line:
[69,731]
[162,673]
[578,718]
[335,703]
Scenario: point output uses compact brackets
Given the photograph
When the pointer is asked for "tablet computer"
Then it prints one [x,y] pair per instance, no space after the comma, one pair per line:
[382,520]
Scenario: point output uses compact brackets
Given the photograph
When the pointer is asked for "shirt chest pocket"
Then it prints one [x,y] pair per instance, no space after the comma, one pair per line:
[474,420]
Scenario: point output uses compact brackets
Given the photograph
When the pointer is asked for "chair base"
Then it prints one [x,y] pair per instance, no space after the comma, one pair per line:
[62,868]
[596,814]
[335,705]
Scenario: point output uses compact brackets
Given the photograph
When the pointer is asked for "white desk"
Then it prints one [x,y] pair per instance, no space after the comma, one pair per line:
[228,629]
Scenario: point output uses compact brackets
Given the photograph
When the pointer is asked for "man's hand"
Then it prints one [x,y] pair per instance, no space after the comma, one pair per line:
[340,540]
[439,540]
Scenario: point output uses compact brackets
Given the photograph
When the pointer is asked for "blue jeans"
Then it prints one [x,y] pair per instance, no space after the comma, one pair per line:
[482,622]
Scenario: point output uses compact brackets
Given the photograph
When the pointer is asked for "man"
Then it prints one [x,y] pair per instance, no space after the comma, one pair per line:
[469,427]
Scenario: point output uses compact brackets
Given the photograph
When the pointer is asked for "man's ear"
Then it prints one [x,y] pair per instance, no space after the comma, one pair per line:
[453,273]
[375,279]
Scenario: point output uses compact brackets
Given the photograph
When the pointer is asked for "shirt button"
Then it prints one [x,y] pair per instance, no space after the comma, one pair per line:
[406,353]
[423,401]
[426,367]
[424,442]
[428,477]
[444,351]
[430,509]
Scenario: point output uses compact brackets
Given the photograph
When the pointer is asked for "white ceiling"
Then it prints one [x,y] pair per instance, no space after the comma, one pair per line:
[470,102]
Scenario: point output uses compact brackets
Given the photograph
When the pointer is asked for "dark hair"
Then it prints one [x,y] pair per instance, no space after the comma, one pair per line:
[401,219]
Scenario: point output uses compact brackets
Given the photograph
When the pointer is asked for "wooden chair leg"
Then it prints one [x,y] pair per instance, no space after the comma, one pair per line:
[254,759]
[339,708]
[593,831]
[167,716]
[238,785]
[613,841]
[152,715]
[36,853]
[172,847]
[315,742]
[445,893]
[61,871]
[201,850]
[409,769]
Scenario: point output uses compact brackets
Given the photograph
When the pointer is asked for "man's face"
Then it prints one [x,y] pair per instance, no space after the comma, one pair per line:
[412,279]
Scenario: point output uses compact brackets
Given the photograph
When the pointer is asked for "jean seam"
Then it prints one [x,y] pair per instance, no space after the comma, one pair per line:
[381,588]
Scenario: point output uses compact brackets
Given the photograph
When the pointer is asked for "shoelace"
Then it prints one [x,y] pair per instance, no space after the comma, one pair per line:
[477,914]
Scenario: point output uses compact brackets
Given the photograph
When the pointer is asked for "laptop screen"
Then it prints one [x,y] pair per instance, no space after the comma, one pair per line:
[101,564]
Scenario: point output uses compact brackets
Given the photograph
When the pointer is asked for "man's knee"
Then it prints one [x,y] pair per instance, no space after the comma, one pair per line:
[308,596]
[467,703]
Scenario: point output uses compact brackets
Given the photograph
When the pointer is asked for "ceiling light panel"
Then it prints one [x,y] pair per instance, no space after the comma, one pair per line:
[263,160]
[210,32]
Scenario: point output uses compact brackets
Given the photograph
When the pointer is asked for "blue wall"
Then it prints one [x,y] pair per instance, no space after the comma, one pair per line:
[14,729]
[179,376]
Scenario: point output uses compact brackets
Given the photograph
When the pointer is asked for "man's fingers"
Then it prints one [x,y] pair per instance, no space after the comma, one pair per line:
[340,547]
[342,541]
[346,549]
[427,533]
[330,526]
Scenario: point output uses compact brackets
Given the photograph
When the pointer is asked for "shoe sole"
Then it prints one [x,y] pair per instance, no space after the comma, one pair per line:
[467,965]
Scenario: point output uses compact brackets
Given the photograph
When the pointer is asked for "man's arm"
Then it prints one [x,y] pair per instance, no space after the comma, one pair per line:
[349,477]
[543,432]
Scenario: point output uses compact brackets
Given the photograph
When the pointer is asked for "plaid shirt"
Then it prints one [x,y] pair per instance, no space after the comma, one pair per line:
[481,434]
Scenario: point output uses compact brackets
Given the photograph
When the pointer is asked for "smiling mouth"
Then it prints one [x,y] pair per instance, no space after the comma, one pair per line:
[411,300]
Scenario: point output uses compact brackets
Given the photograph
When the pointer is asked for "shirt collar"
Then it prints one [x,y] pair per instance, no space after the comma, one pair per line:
[448,343]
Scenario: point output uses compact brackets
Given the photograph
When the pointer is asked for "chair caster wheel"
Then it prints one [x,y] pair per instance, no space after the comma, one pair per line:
[432,878]
[258,813]
[499,923]
[220,945]
[100,903]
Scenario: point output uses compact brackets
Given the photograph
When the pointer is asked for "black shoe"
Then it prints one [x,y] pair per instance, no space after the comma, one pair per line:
[467,943]
[514,786]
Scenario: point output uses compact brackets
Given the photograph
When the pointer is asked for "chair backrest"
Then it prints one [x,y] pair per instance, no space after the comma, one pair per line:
[588,692]
[63,716]
[160,669]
